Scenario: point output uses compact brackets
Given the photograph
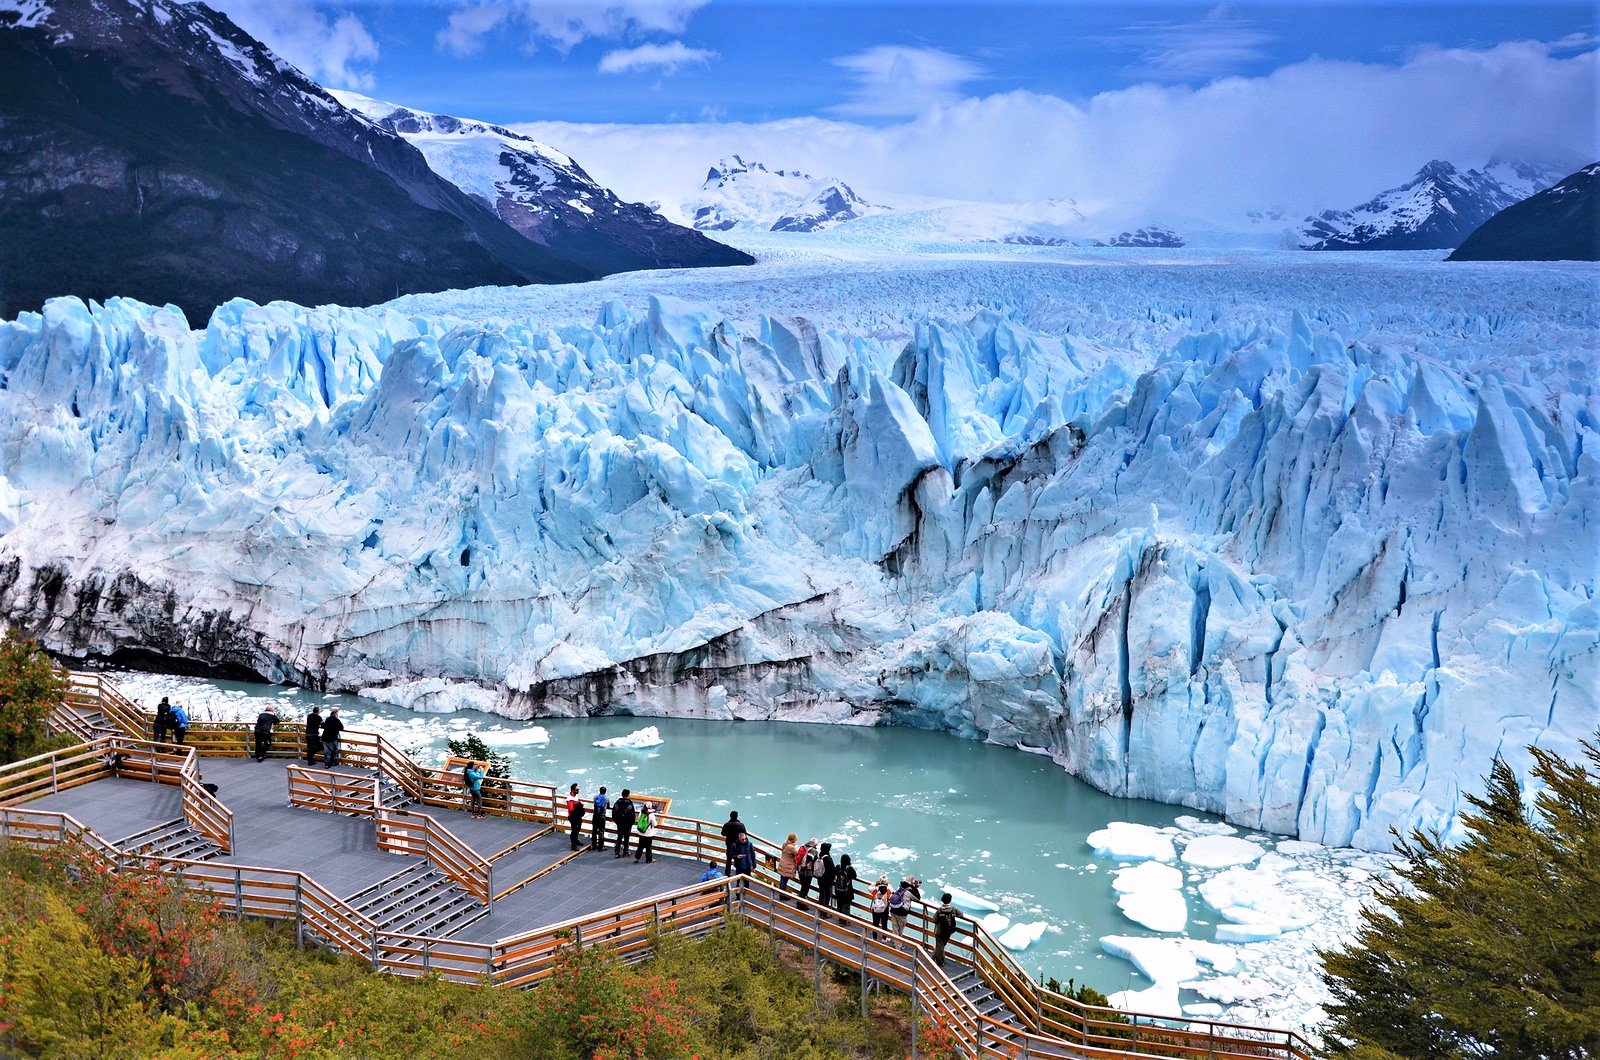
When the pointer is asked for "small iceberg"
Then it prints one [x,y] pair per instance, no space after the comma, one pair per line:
[966,901]
[533,734]
[1220,852]
[649,736]
[1126,841]
[1019,937]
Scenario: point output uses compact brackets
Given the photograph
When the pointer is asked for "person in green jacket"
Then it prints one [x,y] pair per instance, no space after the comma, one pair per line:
[646,827]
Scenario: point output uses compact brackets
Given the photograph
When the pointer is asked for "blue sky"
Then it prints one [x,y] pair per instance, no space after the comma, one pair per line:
[686,60]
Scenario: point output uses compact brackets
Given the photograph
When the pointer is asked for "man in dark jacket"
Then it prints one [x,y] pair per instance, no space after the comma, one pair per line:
[623,815]
[824,871]
[313,735]
[331,730]
[732,832]
[944,926]
[163,720]
[265,721]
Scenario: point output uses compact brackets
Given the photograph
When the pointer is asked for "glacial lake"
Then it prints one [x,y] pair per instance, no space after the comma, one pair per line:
[1002,824]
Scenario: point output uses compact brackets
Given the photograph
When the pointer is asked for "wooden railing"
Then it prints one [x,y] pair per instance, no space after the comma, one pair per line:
[1050,1015]
[326,789]
[410,832]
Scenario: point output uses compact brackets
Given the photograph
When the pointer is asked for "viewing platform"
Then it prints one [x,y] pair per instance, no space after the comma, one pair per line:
[378,858]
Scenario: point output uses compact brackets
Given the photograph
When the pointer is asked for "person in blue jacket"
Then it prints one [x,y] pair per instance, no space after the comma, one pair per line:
[180,723]
[597,834]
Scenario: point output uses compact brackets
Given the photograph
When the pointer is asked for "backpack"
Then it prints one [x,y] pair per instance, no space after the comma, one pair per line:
[880,901]
[819,868]
[899,900]
[842,885]
[944,921]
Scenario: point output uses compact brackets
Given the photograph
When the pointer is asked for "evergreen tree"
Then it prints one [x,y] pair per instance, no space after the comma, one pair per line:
[472,746]
[30,686]
[1490,948]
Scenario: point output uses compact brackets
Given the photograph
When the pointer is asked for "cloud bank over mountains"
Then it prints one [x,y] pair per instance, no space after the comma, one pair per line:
[1308,133]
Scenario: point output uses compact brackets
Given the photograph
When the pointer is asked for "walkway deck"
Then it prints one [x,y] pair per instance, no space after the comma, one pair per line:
[342,854]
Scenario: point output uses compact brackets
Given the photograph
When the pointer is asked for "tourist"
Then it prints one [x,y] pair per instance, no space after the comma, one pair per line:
[805,862]
[313,735]
[331,731]
[744,856]
[180,723]
[731,831]
[623,815]
[575,808]
[711,873]
[878,903]
[265,722]
[910,890]
[944,926]
[822,871]
[844,886]
[597,838]
[786,858]
[647,836]
[473,775]
[163,721]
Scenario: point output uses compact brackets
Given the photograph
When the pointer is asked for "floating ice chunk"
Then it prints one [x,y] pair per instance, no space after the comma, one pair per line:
[1147,876]
[1125,841]
[884,852]
[1158,1000]
[1247,932]
[808,787]
[994,923]
[1220,851]
[1222,959]
[968,902]
[1158,960]
[1019,937]
[1298,847]
[1256,903]
[649,736]
[1197,826]
[289,692]
[1203,1009]
[1155,909]
[533,734]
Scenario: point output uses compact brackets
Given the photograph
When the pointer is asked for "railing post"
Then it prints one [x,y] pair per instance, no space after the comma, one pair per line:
[916,1007]
[299,915]
[374,955]
[238,893]
[427,955]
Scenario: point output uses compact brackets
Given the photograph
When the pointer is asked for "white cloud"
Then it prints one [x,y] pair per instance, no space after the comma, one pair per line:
[1309,135]
[895,81]
[563,23]
[1195,51]
[664,58]
[336,51]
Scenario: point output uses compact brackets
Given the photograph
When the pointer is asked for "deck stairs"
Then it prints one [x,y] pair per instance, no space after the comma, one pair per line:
[418,900]
[391,796]
[95,719]
[170,839]
[969,982]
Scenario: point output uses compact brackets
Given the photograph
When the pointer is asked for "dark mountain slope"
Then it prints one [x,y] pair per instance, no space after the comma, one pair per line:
[1561,223]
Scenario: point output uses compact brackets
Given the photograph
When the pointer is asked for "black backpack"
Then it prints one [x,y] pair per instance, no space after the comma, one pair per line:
[843,885]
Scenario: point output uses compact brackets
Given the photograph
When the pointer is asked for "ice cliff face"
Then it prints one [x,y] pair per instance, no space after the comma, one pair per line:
[1310,584]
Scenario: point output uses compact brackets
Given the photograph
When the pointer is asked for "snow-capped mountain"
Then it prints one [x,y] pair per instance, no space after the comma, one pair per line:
[1561,223]
[154,148]
[1311,573]
[741,194]
[544,194]
[1435,210]
[1148,236]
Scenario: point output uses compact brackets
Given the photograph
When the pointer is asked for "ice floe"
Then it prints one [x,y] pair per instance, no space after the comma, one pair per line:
[1125,841]
[649,736]
[1220,851]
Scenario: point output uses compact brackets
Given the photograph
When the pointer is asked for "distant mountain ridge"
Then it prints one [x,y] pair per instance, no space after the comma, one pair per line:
[738,193]
[544,194]
[1435,210]
[1561,223]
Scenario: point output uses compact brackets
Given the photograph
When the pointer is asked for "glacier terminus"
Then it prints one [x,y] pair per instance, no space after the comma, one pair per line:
[1303,544]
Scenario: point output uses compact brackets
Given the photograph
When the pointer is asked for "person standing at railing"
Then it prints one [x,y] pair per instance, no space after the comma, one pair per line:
[623,815]
[646,827]
[744,856]
[878,903]
[575,808]
[266,721]
[163,721]
[313,735]
[944,926]
[473,775]
[822,871]
[804,863]
[844,885]
[786,860]
[910,890]
[730,838]
[331,730]
[180,723]
[602,806]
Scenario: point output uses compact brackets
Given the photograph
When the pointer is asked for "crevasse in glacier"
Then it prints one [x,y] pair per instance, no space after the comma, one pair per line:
[1310,584]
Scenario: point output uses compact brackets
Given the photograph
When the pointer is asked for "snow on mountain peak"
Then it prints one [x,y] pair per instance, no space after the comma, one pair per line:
[740,193]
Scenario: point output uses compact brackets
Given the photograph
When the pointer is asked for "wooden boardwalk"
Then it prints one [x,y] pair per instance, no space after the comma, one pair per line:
[342,851]
[378,859]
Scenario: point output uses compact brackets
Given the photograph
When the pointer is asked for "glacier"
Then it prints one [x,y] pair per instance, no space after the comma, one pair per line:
[1302,545]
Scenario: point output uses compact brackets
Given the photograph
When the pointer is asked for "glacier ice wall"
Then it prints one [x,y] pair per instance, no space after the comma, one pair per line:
[1311,584]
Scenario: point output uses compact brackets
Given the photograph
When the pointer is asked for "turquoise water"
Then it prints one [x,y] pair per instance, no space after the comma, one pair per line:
[995,822]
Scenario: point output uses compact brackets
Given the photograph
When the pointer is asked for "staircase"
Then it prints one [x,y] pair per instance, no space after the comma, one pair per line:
[418,900]
[967,980]
[171,839]
[87,723]
[391,796]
